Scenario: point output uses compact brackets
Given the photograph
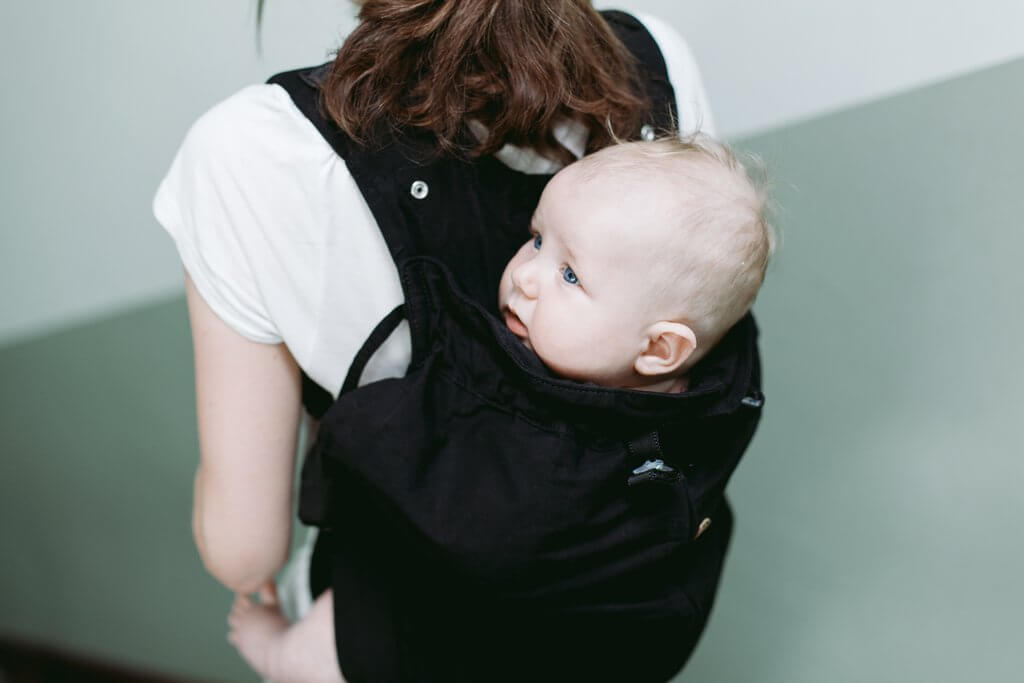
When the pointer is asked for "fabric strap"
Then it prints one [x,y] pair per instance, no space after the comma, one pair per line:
[376,339]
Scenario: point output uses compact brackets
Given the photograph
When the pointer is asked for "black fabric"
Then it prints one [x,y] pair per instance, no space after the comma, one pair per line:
[484,519]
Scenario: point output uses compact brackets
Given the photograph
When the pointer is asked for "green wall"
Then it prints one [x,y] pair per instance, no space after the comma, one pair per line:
[879,508]
[99,449]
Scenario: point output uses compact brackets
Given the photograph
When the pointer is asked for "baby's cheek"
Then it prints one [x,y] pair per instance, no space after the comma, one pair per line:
[562,350]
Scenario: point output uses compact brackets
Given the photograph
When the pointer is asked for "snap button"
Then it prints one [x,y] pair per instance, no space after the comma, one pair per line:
[653,471]
[755,400]
[703,526]
[419,189]
[658,464]
[647,132]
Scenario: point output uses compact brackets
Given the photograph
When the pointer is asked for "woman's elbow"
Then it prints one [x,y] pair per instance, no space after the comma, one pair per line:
[240,571]
[241,545]
[241,565]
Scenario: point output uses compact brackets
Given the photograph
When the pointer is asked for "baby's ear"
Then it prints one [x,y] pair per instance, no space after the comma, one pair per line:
[669,346]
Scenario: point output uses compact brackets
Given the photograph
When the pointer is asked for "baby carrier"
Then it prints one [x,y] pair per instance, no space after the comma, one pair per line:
[482,519]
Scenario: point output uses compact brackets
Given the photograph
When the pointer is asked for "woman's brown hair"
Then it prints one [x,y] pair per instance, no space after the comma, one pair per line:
[516,66]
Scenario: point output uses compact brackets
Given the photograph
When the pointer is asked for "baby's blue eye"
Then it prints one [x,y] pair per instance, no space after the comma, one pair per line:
[536,241]
[569,276]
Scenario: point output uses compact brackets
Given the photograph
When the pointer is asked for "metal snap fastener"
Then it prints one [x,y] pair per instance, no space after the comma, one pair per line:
[647,132]
[658,465]
[419,189]
[755,400]
[704,524]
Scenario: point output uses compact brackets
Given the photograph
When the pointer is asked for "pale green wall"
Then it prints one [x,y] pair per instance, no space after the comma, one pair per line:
[99,449]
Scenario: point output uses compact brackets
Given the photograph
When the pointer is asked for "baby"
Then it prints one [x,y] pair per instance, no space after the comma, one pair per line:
[642,256]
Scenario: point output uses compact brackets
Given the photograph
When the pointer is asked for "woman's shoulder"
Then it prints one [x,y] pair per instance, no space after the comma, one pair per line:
[258,124]
[254,162]
[252,198]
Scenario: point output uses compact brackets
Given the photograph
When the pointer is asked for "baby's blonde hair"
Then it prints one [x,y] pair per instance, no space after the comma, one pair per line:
[721,239]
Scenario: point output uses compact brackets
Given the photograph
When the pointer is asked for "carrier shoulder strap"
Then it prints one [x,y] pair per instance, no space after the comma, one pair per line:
[303,86]
[653,71]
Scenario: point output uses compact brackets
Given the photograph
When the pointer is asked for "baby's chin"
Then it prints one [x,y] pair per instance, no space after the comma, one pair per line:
[522,338]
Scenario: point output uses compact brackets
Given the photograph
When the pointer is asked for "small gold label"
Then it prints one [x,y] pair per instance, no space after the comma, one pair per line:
[703,526]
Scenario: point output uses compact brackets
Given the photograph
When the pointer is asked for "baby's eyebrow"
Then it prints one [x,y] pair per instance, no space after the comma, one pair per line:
[564,244]
[568,250]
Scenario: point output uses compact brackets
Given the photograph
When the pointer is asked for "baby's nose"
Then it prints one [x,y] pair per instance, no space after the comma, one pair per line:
[524,277]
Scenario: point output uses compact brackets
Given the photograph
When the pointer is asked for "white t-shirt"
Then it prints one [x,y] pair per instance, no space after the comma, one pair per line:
[273,231]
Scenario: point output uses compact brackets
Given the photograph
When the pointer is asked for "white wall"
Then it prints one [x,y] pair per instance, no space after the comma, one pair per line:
[97,96]
[769,63]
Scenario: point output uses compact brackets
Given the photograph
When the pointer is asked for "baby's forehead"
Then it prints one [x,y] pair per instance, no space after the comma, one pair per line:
[665,189]
[639,161]
[609,216]
[655,207]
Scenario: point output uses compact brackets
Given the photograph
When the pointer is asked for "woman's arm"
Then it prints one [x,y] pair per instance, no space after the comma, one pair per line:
[248,401]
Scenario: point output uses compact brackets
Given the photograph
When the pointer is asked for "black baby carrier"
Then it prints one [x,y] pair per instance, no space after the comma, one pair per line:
[482,519]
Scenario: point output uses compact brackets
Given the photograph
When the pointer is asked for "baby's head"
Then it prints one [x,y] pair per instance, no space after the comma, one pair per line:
[643,255]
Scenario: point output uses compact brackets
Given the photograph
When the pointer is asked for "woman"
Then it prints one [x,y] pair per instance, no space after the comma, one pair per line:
[287,270]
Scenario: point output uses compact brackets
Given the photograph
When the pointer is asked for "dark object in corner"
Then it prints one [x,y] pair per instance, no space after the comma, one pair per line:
[23,662]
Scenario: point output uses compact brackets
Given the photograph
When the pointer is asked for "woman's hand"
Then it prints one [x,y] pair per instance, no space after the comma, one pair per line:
[248,401]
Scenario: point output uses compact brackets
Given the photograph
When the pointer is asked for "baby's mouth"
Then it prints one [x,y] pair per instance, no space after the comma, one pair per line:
[515,325]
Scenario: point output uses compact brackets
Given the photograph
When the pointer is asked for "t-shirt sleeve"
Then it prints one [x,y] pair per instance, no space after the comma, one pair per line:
[692,104]
[207,203]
